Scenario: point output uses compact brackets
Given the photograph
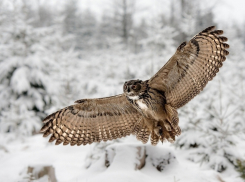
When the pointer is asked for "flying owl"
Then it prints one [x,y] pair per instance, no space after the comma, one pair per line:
[146,108]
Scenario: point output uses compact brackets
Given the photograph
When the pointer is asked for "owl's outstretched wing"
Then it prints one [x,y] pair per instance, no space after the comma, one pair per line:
[92,120]
[191,67]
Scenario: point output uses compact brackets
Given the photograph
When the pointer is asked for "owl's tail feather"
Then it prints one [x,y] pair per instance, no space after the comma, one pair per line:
[154,138]
[141,131]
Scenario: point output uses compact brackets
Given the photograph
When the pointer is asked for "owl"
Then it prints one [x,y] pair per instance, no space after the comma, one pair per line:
[146,109]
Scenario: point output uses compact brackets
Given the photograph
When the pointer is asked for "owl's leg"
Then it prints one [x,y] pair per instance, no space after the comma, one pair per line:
[149,123]
[158,129]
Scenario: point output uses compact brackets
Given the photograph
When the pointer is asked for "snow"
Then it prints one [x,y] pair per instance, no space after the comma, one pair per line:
[18,80]
[69,163]
[36,151]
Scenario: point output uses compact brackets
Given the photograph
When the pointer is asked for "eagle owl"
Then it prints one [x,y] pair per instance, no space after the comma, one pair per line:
[146,108]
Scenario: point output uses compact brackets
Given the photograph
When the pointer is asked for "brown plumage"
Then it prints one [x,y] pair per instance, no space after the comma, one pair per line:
[146,108]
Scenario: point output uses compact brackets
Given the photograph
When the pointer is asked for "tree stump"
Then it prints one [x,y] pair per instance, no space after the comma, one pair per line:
[38,172]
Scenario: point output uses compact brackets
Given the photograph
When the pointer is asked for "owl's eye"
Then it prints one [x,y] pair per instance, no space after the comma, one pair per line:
[133,87]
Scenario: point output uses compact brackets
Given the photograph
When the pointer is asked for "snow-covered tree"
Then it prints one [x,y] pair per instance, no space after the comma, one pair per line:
[81,24]
[190,17]
[29,69]
[159,46]
[209,134]
[123,19]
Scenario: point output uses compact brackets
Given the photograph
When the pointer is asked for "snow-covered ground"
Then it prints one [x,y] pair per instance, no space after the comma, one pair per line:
[70,163]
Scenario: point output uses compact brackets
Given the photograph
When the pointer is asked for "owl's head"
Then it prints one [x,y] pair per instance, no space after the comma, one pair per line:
[133,89]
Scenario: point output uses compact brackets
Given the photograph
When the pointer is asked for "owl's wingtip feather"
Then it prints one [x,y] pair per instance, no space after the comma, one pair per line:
[48,118]
[80,101]
[209,29]
[43,129]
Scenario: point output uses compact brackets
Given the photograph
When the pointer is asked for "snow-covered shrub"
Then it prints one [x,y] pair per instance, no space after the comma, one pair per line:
[209,135]
[210,125]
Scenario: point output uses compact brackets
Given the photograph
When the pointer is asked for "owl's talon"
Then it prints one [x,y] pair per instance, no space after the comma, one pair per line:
[161,139]
[158,131]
